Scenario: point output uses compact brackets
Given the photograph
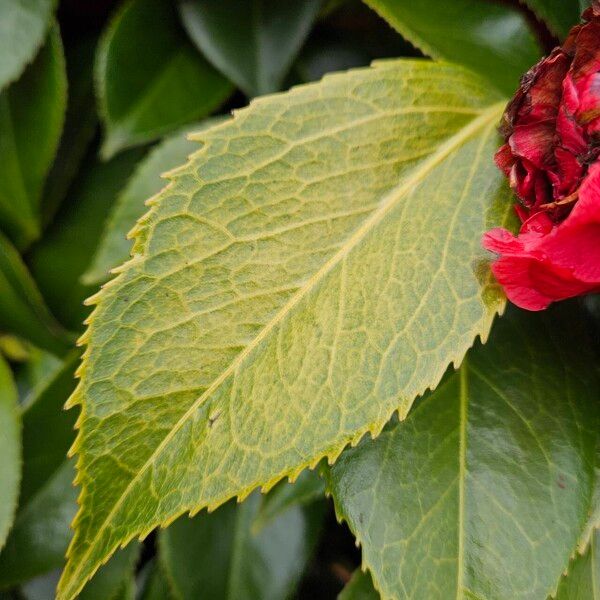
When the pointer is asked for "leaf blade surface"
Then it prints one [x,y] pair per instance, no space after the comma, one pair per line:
[288,211]
[484,490]
[492,40]
[10,447]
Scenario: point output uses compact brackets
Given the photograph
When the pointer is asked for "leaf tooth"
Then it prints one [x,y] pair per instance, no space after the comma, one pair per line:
[377,428]
[313,464]
[84,338]
[71,452]
[76,482]
[74,399]
[94,298]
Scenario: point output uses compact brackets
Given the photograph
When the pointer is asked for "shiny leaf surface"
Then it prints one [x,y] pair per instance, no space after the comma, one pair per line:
[483,491]
[22,308]
[226,555]
[23,25]
[47,501]
[560,15]
[489,38]
[32,112]
[10,450]
[252,42]
[146,94]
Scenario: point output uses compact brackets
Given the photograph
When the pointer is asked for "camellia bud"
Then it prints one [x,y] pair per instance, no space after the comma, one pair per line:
[551,158]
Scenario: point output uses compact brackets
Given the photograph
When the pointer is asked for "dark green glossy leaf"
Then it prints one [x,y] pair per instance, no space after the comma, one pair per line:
[560,15]
[22,308]
[150,78]
[156,586]
[353,37]
[483,491]
[41,532]
[491,39]
[80,125]
[253,42]
[62,256]
[225,555]
[305,490]
[10,450]
[47,429]
[114,581]
[582,582]
[34,372]
[31,118]
[23,25]
[114,248]
[47,502]
[360,587]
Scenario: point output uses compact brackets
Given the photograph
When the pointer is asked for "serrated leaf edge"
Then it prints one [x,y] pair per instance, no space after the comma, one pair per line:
[68,589]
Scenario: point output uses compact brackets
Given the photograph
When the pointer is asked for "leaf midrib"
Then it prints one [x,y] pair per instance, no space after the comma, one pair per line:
[451,144]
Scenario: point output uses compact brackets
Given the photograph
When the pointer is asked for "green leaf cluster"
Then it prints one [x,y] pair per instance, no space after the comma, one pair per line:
[283,280]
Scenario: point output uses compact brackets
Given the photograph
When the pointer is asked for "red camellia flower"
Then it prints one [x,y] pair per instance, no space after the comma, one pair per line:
[551,157]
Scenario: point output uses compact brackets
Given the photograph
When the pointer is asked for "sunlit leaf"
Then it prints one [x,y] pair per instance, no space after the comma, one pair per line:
[301,278]
[114,247]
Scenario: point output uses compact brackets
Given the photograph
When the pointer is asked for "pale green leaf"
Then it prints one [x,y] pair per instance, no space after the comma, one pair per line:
[489,38]
[150,79]
[32,112]
[225,555]
[560,15]
[10,450]
[483,491]
[23,26]
[360,587]
[301,278]
[114,248]
[253,42]
[582,582]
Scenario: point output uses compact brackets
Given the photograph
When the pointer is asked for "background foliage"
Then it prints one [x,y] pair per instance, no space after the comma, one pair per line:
[369,188]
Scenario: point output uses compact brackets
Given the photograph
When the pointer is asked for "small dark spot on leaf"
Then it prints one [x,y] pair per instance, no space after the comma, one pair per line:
[213,418]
